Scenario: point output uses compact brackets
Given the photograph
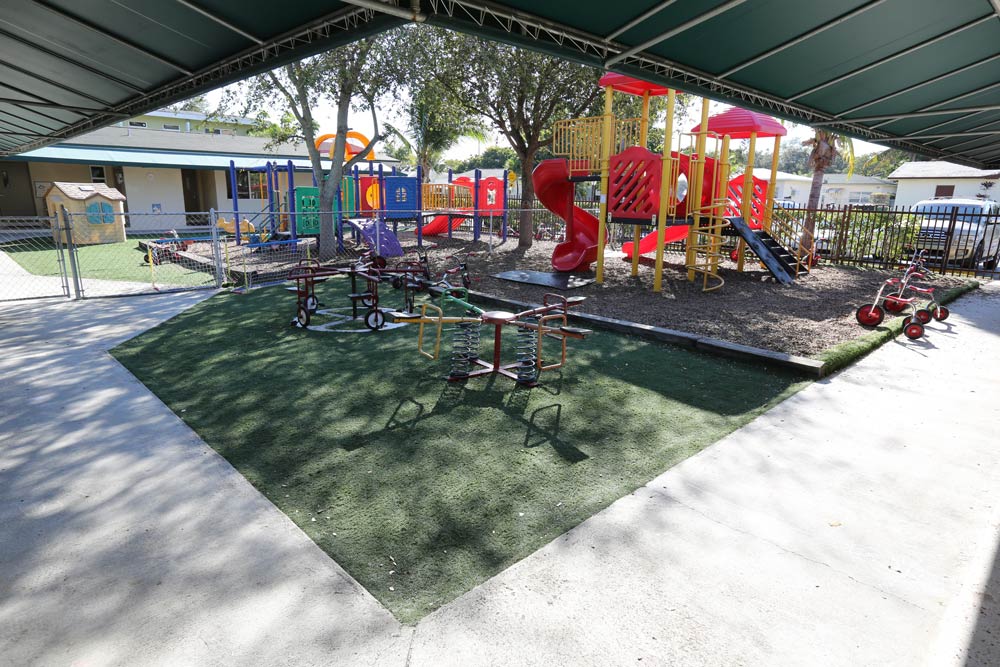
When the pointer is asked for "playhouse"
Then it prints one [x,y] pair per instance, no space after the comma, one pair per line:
[96,212]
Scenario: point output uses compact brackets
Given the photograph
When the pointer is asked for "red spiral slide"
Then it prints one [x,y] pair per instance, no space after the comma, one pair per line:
[554,189]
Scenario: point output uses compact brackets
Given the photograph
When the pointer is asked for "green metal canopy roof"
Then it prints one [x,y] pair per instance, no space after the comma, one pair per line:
[922,75]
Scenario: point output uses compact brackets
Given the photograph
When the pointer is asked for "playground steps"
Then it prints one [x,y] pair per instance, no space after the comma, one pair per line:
[778,260]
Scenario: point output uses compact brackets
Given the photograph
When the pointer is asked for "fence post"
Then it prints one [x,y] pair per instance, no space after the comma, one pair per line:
[952,220]
[216,250]
[60,254]
[74,266]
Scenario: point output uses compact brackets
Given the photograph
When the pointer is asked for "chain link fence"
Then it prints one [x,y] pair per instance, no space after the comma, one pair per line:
[32,260]
[80,255]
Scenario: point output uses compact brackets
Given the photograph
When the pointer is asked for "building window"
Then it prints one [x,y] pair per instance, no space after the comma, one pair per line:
[97,175]
[249,185]
[944,191]
[172,128]
[137,123]
[209,130]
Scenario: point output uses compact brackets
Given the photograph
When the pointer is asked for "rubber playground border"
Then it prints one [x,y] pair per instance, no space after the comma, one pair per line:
[830,360]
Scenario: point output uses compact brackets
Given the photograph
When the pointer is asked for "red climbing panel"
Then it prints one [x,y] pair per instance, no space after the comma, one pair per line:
[758,197]
[634,184]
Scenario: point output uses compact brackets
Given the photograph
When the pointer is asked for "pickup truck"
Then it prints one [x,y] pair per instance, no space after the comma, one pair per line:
[974,238]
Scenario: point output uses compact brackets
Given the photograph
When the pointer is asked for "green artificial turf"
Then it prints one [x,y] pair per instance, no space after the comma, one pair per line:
[106,261]
[422,489]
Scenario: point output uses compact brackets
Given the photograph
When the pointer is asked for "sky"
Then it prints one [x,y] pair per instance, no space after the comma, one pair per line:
[362,122]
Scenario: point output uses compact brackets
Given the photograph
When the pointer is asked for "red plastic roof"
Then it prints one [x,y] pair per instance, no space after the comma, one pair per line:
[739,123]
[626,84]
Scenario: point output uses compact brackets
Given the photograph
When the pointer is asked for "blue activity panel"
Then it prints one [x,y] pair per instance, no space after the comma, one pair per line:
[400,197]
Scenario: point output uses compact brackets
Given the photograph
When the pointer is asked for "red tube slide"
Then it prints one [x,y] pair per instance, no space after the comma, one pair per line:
[439,225]
[648,242]
[554,189]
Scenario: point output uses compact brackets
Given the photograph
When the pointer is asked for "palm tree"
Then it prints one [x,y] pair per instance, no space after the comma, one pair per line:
[435,122]
[826,146]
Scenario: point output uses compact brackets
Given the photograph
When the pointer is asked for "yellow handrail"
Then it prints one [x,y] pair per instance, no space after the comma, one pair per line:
[542,332]
[437,334]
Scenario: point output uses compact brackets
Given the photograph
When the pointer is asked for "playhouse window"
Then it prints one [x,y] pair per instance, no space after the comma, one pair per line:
[100,213]
[97,175]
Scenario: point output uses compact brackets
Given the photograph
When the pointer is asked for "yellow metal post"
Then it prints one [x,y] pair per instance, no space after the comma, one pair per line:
[721,200]
[643,137]
[666,185]
[152,270]
[602,222]
[747,199]
[695,191]
[769,204]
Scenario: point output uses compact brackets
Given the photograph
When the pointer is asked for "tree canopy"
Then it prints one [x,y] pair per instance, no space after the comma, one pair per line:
[520,93]
[356,75]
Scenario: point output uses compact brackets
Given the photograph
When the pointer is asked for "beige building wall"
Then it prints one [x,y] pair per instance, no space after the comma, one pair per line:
[43,174]
[152,191]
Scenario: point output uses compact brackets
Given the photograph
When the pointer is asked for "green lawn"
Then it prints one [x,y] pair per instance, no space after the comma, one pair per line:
[108,261]
[423,489]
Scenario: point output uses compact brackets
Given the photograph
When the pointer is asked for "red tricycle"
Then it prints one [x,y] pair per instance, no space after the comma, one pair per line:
[892,298]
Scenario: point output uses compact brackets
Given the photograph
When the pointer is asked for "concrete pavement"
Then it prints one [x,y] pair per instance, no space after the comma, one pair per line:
[125,540]
[857,523]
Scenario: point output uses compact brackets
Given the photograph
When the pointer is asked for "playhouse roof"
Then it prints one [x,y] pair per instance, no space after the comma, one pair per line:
[626,84]
[739,123]
[84,191]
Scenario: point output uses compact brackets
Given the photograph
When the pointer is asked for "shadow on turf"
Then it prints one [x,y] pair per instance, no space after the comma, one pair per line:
[541,426]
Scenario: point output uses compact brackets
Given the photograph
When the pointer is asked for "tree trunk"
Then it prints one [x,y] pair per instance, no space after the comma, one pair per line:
[809,228]
[526,232]
[328,189]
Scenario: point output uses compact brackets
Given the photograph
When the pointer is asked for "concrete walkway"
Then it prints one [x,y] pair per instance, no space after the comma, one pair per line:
[855,524]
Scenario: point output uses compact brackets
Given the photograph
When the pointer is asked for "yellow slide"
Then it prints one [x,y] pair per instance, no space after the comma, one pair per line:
[229,226]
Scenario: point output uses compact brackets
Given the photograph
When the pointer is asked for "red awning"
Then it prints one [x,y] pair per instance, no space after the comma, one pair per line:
[739,123]
[626,84]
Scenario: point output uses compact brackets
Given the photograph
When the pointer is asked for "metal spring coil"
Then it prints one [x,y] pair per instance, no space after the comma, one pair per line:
[526,345]
[464,348]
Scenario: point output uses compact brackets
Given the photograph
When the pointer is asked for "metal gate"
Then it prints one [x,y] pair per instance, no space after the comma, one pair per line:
[33,260]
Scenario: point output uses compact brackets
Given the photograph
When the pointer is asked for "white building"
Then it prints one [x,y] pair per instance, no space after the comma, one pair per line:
[791,187]
[924,180]
[164,163]
[839,190]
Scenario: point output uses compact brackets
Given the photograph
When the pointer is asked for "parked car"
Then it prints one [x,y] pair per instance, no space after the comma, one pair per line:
[974,239]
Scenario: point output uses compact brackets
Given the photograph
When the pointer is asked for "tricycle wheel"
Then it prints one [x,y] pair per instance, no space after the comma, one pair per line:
[368,301]
[374,319]
[870,315]
[312,303]
[923,316]
[302,317]
[379,262]
[940,313]
[397,282]
[912,329]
